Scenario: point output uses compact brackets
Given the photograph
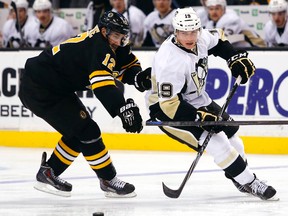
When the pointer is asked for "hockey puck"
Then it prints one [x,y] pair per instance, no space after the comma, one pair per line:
[98,214]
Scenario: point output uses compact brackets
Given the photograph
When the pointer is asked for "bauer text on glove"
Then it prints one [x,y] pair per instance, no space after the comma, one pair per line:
[130,117]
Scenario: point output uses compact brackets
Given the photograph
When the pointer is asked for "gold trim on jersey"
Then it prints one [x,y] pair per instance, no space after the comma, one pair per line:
[99,73]
[103,83]
[182,136]
[135,62]
[170,107]
[101,78]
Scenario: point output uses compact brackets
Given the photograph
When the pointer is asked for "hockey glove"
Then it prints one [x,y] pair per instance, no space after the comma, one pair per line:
[204,115]
[142,80]
[240,64]
[130,117]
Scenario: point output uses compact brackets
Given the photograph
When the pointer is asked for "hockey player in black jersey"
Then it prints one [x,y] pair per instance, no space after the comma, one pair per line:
[91,60]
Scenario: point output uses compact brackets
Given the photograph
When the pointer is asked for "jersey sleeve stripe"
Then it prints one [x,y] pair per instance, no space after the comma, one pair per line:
[135,61]
[99,73]
[103,83]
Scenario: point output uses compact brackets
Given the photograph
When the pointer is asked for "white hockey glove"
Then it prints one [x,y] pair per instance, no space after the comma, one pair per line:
[240,64]
[142,80]
[130,117]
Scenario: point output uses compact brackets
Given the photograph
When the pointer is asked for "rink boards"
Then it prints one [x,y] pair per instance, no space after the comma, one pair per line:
[264,98]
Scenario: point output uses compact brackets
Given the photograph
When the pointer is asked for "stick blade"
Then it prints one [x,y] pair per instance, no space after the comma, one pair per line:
[169,192]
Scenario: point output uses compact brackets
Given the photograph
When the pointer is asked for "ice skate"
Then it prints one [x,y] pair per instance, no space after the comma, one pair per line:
[260,189]
[117,188]
[240,187]
[49,183]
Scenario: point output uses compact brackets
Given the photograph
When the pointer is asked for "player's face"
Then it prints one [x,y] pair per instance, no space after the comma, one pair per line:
[22,14]
[44,16]
[215,12]
[163,6]
[187,39]
[117,39]
[279,18]
[118,5]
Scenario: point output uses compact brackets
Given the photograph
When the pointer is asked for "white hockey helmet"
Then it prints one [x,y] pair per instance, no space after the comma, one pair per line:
[209,3]
[42,5]
[186,19]
[21,4]
[277,6]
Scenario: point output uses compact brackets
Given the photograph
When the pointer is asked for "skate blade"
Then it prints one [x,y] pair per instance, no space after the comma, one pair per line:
[115,195]
[274,198]
[51,190]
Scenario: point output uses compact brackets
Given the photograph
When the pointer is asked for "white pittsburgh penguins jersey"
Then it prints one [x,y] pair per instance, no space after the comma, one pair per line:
[11,37]
[135,18]
[58,31]
[204,16]
[159,28]
[237,31]
[176,71]
[272,36]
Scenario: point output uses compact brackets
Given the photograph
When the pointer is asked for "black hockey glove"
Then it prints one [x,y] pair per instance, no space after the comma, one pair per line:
[130,117]
[240,64]
[204,115]
[142,80]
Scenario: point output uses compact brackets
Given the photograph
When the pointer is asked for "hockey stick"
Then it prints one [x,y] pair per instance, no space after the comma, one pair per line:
[22,40]
[219,123]
[176,193]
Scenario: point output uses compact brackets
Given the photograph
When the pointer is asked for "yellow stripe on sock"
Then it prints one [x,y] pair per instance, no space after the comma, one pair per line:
[102,165]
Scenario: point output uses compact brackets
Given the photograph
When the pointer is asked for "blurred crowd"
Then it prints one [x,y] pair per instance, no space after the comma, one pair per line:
[150,21]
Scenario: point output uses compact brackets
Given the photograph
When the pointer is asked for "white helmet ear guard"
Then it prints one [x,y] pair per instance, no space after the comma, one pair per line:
[277,6]
[186,19]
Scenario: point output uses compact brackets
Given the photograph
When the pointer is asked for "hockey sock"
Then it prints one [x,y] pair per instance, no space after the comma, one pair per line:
[64,154]
[95,152]
[237,143]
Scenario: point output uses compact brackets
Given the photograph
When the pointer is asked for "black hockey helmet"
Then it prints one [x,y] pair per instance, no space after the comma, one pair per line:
[114,21]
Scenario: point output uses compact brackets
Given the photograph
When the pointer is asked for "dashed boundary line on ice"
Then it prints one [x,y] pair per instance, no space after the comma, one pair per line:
[143,174]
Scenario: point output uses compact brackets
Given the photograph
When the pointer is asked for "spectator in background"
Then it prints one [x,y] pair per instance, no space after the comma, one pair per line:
[51,30]
[203,13]
[276,29]
[159,22]
[94,10]
[13,37]
[135,17]
[236,30]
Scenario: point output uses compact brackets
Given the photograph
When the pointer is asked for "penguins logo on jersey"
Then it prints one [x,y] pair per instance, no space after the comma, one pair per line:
[199,76]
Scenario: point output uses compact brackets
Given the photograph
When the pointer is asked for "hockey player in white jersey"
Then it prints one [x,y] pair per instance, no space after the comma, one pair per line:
[135,17]
[204,15]
[159,22]
[276,29]
[51,30]
[237,31]
[27,23]
[179,72]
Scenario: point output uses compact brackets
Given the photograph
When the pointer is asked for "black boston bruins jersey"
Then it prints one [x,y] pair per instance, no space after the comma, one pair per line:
[84,61]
